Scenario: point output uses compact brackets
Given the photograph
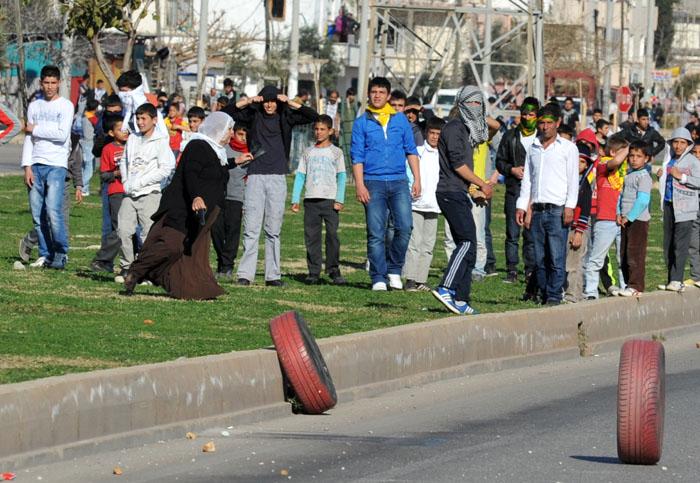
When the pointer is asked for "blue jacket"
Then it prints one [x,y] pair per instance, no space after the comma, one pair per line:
[384,157]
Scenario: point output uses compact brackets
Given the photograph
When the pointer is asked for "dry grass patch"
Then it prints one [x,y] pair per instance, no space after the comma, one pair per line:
[33,362]
[307,307]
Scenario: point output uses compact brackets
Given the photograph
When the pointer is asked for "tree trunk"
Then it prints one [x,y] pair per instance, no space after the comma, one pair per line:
[21,74]
[100,56]
[128,52]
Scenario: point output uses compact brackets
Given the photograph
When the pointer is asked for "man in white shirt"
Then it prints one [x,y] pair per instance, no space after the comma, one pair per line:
[550,190]
[45,162]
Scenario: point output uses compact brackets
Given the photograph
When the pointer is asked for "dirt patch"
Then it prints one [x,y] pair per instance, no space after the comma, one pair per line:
[30,362]
[324,309]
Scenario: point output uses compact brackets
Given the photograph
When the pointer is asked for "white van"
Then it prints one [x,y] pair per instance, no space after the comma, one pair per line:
[443,101]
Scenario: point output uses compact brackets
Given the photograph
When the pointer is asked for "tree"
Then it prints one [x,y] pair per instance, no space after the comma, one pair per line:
[663,37]
[92,17]
[322,48]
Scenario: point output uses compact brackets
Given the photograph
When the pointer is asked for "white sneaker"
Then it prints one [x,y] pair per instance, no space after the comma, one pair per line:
[629,292]
[614,290]
[661,286]
[379,287]
[395,281]
[697,283]
[38,263]
[675,286]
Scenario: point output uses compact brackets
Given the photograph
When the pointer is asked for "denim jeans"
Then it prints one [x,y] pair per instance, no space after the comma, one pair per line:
[605,233]
[550,235]
[88,164]
[387,198]
[46,203]
[106,218]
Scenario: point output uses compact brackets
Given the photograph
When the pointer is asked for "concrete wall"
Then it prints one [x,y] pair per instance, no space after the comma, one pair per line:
[78,410]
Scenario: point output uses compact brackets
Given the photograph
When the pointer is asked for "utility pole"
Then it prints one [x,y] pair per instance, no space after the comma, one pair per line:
[649,47]
[621,81]
[202,48]
[609,5]
[21,75]
[293,84]
[539,52]
[486,75]
[530,49]
[365,54]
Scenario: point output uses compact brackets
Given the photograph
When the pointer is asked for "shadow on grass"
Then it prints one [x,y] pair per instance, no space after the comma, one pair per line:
[608,460]
[96,276]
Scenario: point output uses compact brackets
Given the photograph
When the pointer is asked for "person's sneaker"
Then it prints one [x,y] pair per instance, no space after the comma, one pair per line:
[274,283]
[411,286]
[697,284]
[312,280]
[395,281]
[379,287]
[446,297]
[478,277]
[553,302]
[98,266]
[38,263]
[121,276]
[661,286]
[629,292]
[512,277]
[338,279]
[613,290]
[224,275]
[129,282]
[464,308]
[421,287]
[591,297]
[491,271]
[146,283]
[675,286]
[243,281]
[25,251]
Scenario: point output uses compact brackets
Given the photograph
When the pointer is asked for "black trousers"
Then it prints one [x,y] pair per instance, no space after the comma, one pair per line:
[513,231]
[456,207]
[111,243]
[226,234]
[316,213]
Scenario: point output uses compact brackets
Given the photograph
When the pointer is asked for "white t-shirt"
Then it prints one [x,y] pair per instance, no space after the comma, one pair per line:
[49,142]
[527,141]
[429,177]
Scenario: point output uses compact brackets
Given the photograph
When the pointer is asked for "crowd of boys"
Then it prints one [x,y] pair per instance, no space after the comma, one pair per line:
[570,194]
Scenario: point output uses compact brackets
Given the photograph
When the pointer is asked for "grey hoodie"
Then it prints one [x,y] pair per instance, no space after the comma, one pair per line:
[685,190]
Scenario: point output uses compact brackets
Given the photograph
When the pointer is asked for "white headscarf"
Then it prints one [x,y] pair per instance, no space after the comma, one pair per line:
[474,117]
[213,130]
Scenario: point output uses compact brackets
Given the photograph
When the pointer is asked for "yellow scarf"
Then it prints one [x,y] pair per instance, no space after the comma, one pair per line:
[383,114]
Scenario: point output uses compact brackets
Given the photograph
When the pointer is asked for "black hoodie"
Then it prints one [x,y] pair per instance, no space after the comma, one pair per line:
[271,133]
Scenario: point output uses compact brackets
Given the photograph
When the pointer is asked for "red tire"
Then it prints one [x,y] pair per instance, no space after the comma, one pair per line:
[640,402]
[302,363]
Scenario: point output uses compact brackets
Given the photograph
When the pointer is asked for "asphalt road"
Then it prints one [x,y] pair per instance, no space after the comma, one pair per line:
[553,422]
[10,157]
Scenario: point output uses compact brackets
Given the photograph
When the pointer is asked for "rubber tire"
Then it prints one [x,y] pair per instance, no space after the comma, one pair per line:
[302,363]
[641,402]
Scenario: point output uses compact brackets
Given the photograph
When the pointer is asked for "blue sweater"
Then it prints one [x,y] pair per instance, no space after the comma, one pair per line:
[383,156]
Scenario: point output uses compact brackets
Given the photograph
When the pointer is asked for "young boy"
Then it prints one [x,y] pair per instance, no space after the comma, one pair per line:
[145,169]
[226,232]
[47,145]
[633,217]
[579,232]
[679,180]
[176,126]
[88,123]
[425,212]
[111,157]
[195,116]
[322,171]
[694,248]
[609,177]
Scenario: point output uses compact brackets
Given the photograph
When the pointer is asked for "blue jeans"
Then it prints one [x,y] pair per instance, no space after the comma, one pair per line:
[88,164]
[387,198]
[106,219]
[46,203]
[549,235]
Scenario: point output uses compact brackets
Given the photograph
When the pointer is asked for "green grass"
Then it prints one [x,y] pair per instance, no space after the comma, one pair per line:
[59,322]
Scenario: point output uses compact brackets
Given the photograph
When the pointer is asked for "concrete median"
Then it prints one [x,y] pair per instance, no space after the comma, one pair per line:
[66,416]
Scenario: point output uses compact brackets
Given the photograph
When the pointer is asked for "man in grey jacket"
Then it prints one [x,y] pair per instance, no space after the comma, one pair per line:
[679,182]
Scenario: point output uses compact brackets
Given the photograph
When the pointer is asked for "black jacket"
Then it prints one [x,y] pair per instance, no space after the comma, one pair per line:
[651,136]
[510,154]
[199,173]
[289,118]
